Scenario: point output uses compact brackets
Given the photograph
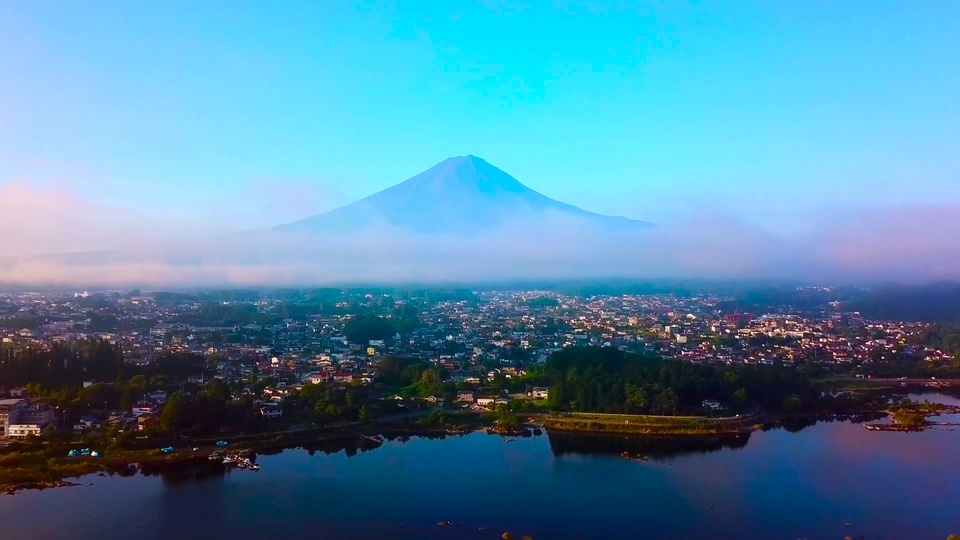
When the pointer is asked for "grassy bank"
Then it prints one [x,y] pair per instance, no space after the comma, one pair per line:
[36,466]
[37,470]
[629,424]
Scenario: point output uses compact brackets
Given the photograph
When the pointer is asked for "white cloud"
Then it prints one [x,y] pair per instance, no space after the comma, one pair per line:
[904,244]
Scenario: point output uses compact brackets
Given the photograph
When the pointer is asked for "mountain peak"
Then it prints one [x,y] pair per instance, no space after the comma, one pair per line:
[461,194]
[467,172]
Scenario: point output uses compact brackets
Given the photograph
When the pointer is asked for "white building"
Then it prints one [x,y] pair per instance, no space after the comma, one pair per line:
[540,392]
[21,431]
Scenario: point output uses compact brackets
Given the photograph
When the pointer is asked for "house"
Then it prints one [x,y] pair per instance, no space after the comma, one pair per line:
[434,400]
[712,405]
[147,421]
[271,412]
[87,422]
[157,396]
[465,397]
[276,394]
[21,393]
[144,407]
[540,392]
[343,377]
[485,401]
[316,378]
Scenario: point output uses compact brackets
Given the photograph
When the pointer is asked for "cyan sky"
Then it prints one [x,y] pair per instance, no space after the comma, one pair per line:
[769,108]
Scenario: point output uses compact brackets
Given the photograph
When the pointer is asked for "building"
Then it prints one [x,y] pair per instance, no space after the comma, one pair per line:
[10,411]
[316,378]
[712,405]
[271,412]
[39,414]
[147,421]
[465,397]
[540,392]
[22,431]
[342,377]
[144,407]
[87,422]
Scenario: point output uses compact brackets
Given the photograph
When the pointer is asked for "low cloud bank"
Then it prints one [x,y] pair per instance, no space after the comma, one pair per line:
[907,244]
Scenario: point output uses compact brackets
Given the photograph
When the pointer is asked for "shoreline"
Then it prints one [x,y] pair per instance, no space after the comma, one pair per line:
[43,470]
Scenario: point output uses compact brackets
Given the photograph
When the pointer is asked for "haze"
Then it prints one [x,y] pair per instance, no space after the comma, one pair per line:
[165,143]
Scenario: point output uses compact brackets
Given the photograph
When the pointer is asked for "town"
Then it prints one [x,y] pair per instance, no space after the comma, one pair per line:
[481,348]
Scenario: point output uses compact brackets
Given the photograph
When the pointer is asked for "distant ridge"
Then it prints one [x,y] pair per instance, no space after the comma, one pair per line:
[460,195]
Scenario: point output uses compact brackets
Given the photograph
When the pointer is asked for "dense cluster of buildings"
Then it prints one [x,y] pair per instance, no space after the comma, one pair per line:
[475,339]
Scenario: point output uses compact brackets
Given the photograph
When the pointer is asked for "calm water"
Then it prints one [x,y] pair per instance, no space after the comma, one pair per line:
[776,484]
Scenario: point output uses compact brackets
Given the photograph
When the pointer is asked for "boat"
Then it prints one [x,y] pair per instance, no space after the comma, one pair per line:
[229,460]
[376,440]
[638,457]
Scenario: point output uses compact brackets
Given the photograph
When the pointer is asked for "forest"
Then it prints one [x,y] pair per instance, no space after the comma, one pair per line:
[609,381]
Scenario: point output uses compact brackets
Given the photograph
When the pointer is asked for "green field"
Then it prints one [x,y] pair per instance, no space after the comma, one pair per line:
[646,424]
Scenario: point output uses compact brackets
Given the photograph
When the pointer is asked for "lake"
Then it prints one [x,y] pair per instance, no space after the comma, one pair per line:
[805,482]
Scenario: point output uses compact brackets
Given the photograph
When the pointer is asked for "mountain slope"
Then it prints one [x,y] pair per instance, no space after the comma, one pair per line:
[462,195]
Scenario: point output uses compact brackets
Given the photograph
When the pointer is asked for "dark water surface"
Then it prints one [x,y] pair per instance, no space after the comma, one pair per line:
[779,484]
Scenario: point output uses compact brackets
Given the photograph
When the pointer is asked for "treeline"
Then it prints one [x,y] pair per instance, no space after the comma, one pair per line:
[609,381]
[945,337]
[210,410]
[936,303]
[87,360]
[62,364]
[770,298]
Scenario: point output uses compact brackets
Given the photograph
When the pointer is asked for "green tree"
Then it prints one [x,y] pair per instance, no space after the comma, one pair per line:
[363,328]
[367,414]
[173,412]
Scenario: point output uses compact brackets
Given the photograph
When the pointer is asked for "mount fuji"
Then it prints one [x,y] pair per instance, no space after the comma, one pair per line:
[465,196]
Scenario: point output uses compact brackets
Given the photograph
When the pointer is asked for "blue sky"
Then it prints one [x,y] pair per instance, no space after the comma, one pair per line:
[234,114]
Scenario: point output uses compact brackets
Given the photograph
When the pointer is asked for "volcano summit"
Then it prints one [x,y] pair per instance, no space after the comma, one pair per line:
[461,195]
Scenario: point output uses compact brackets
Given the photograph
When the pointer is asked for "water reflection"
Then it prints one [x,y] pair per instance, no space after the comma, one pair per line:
[176,472]
[657,447]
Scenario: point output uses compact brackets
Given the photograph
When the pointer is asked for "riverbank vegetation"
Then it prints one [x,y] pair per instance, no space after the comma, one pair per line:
[661,426]
[607,380]
[590,385]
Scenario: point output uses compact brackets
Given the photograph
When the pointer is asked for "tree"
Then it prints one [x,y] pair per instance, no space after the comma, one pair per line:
[429,383]
[666,401]
[909,419]
[367,414]
[173,412]
[363,328]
